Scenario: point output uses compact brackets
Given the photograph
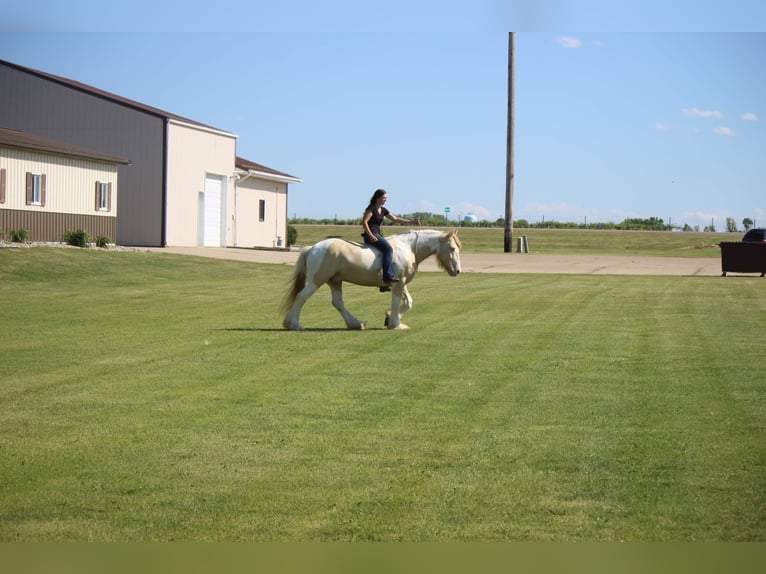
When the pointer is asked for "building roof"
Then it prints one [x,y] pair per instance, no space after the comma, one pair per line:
[241,163]
[266,172]
[22,140]
[107,95]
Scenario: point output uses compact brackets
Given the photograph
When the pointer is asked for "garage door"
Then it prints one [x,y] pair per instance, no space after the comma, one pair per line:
[211,230]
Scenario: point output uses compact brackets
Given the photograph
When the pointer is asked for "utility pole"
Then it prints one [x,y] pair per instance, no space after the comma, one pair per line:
[508,235]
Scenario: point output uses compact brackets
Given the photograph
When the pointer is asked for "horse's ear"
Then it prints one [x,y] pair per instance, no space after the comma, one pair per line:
[453,233]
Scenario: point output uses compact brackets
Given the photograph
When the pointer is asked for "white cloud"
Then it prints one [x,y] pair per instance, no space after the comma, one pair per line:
[696,112]
[597,43]
[703,219]
[568,42]
[723,131]
[662,127]
[750,117]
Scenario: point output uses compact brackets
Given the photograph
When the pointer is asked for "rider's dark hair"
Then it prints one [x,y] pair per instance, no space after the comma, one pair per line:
[377,195]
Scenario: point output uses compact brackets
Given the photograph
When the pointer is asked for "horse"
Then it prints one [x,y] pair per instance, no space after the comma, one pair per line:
[335,260]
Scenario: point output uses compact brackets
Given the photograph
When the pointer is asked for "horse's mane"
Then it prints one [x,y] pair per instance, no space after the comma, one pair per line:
[445,234]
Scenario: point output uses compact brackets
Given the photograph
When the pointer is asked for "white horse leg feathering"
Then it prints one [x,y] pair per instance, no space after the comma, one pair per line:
[333,261]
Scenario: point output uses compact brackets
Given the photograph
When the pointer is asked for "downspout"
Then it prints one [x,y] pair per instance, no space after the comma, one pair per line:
[164,225]
[287,219]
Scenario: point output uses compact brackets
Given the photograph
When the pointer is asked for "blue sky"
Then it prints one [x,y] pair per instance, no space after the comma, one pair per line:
[663,114]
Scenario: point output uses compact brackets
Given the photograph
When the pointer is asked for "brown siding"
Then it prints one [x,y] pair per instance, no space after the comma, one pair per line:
[44,226]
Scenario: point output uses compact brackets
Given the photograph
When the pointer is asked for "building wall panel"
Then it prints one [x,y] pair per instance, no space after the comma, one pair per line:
[250,231]
[50,226]
[70,182]
[193,155]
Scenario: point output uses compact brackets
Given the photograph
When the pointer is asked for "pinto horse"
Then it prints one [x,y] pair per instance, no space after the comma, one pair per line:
[335,260]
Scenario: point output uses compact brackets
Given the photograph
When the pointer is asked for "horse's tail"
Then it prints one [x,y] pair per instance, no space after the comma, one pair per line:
[296,283]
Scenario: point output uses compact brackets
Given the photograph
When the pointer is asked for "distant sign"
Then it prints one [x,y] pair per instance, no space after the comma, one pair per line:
[446,210]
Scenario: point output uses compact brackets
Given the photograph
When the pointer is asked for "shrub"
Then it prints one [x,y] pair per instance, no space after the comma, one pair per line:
[19,235]
[292,235]
[77,238]
[102,241]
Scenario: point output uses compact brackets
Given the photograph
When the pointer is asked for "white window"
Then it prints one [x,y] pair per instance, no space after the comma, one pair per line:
[103,196]
[37,189]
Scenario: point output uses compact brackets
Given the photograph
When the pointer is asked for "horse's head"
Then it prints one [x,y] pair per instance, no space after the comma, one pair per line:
[448,253]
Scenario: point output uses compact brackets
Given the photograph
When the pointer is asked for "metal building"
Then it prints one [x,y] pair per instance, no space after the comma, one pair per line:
[180,187]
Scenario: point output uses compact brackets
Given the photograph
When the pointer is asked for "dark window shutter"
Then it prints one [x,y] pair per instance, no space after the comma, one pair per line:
[29,188]
[109,198]
[2,185]
[98,195]
[42,190]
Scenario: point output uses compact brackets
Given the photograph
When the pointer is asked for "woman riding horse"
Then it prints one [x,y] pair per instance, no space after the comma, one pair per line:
[373,217]
[333,261]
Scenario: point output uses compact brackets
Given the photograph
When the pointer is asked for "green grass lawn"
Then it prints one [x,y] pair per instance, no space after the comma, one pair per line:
[149,396]
[557,241]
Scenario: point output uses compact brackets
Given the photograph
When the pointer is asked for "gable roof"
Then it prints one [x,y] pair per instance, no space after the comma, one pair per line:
[107,95]
[22,140]
[262,171]
[240,163]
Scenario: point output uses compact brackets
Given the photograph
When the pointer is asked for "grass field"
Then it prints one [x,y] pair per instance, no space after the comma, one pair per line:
[558,241]
[155,397]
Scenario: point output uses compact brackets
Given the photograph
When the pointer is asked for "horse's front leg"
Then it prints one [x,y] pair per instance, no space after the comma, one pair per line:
[400,303]
[336,288]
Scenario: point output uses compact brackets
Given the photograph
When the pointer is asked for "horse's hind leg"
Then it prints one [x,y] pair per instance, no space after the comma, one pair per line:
[336,287]
[292,318]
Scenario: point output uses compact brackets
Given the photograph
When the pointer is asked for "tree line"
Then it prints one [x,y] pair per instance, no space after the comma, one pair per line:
[631,223]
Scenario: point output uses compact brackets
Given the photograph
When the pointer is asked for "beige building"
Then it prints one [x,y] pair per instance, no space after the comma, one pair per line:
[259,210]
[200,165]
[48,188]
[216,199]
